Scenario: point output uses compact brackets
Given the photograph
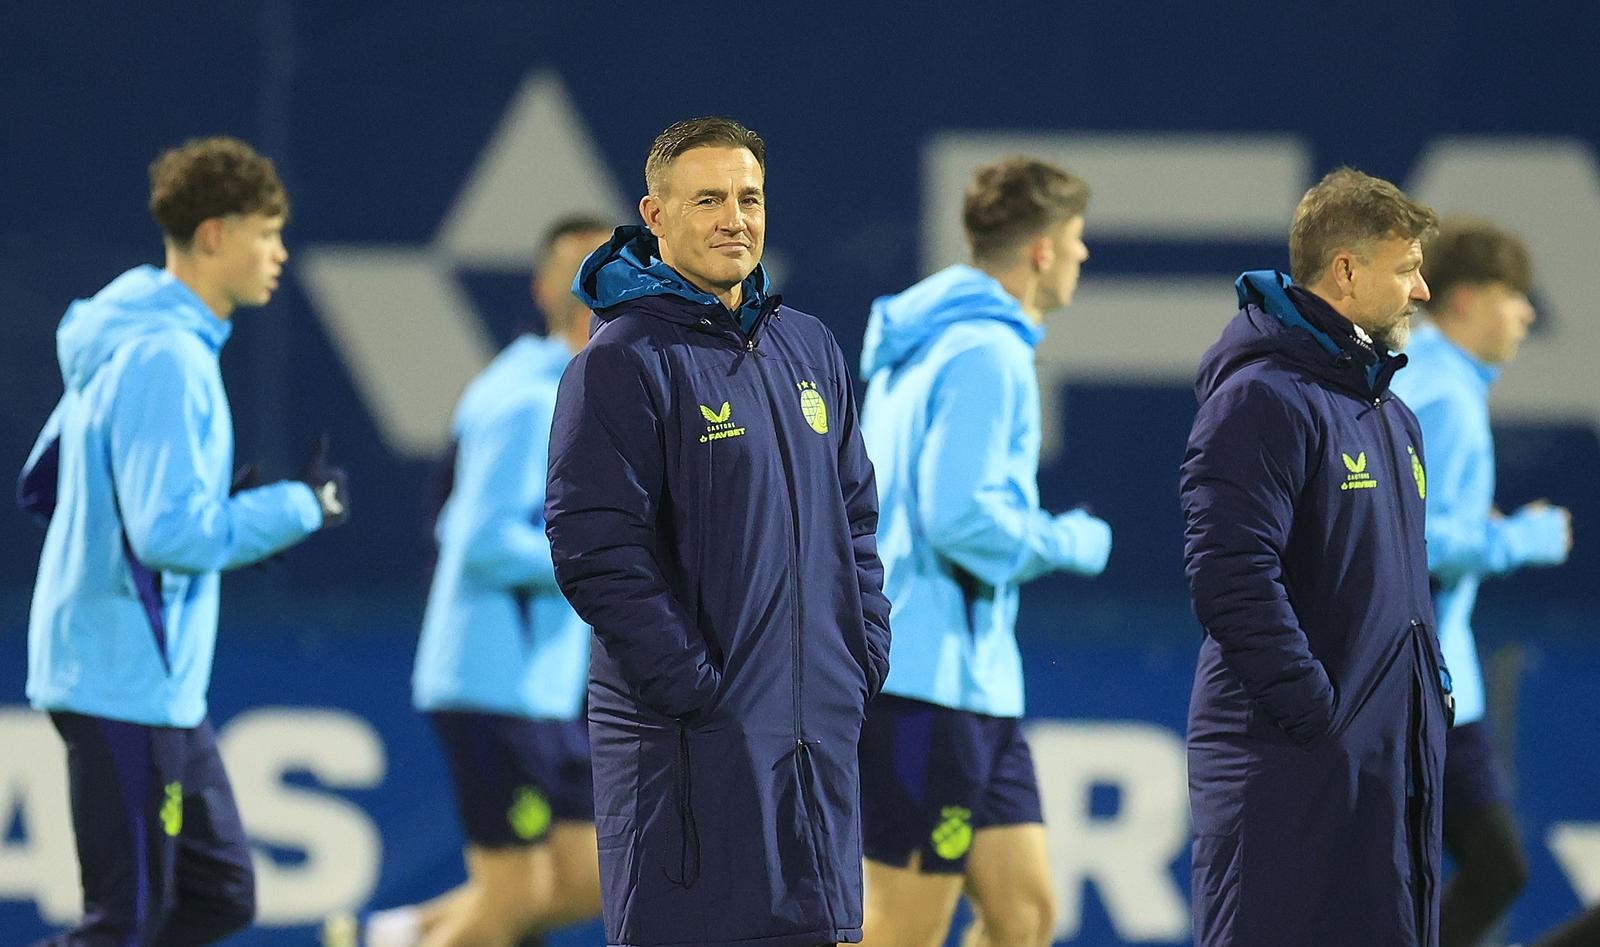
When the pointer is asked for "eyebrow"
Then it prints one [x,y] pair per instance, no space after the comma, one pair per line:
[718,192]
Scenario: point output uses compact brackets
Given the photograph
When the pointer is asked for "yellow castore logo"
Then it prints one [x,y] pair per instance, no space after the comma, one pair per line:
[719,424]
[1357,478]
[1417,473]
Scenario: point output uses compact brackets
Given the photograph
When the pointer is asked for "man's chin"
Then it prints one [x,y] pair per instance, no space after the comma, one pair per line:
[734,276]
[1397,338]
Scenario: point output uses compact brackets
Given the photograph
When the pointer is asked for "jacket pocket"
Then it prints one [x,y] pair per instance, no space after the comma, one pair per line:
[1260,725]
[687,871]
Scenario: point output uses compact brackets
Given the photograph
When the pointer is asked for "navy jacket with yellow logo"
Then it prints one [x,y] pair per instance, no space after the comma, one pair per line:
[1318,715]
[711,513]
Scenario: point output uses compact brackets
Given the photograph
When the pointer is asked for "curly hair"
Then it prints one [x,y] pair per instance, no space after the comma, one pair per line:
[1473,252]
[212,177]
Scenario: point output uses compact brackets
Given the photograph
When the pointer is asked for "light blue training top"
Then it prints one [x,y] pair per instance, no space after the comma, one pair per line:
[951,421]
[1448,390]
[145,440]
[497,635]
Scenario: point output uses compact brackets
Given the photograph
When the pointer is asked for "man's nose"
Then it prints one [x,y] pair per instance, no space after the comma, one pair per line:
[732,218]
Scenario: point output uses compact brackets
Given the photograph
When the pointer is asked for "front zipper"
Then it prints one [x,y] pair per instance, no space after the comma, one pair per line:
[793,531]
[1417,787]
[1399,506]
[804,764]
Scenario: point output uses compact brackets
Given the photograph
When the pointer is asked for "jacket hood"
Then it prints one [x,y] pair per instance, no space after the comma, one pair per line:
[902,324]
[143,301]
[1279,320]
[628,267]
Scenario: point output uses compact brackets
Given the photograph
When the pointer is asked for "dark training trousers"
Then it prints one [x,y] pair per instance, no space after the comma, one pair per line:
[161,850]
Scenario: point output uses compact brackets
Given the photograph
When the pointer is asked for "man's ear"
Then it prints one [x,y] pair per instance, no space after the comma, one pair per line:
[1342,272]
[207,236]
[1041,253]
[650,211]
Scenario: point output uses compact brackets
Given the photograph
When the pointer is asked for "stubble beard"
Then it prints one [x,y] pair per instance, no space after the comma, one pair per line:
[1397,334]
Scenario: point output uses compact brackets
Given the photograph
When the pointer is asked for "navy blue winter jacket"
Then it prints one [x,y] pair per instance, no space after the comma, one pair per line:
[1317,719]
[711,513]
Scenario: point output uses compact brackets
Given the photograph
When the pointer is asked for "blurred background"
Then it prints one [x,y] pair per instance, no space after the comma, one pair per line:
[426,147]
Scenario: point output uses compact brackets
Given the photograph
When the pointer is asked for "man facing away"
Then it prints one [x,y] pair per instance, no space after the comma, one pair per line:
[951,417]
[711,513]
[1480,276]
[1317,719]
[133,471]
[503,660]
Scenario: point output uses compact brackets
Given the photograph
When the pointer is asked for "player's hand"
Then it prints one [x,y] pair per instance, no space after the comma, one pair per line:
[1565,515]
[330,484]
[1538,534]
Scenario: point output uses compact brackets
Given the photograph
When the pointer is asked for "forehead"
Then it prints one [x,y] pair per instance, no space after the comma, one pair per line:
[1397,249]
[715,167]
[1068,229]
[580,240]
[257,221]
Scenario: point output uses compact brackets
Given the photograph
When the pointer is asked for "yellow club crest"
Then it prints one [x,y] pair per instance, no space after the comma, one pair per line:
[812,407]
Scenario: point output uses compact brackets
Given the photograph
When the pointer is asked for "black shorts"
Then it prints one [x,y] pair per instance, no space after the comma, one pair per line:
[1472,776]
[932,776]
[515,777]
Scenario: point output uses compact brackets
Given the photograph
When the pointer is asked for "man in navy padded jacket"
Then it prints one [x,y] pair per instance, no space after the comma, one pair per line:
[1320,702]
[711,513]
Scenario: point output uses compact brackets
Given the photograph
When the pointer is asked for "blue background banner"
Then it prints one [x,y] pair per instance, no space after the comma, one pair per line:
[425,149]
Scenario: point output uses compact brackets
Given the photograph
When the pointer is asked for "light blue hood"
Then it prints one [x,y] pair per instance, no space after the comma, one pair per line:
[142,301]
[903,323]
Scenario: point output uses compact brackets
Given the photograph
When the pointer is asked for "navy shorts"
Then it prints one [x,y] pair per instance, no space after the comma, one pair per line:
[1473,779]
[514,776]
[932,776]
[161,851]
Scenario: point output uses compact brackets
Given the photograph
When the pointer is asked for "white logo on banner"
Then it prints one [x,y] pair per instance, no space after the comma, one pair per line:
[1129,856]
[340,842]
[342,847]
[397,315]
[1186,188]
[1577,847]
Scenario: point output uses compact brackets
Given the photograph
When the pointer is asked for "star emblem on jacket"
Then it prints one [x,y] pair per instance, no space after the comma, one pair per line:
[812,407]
